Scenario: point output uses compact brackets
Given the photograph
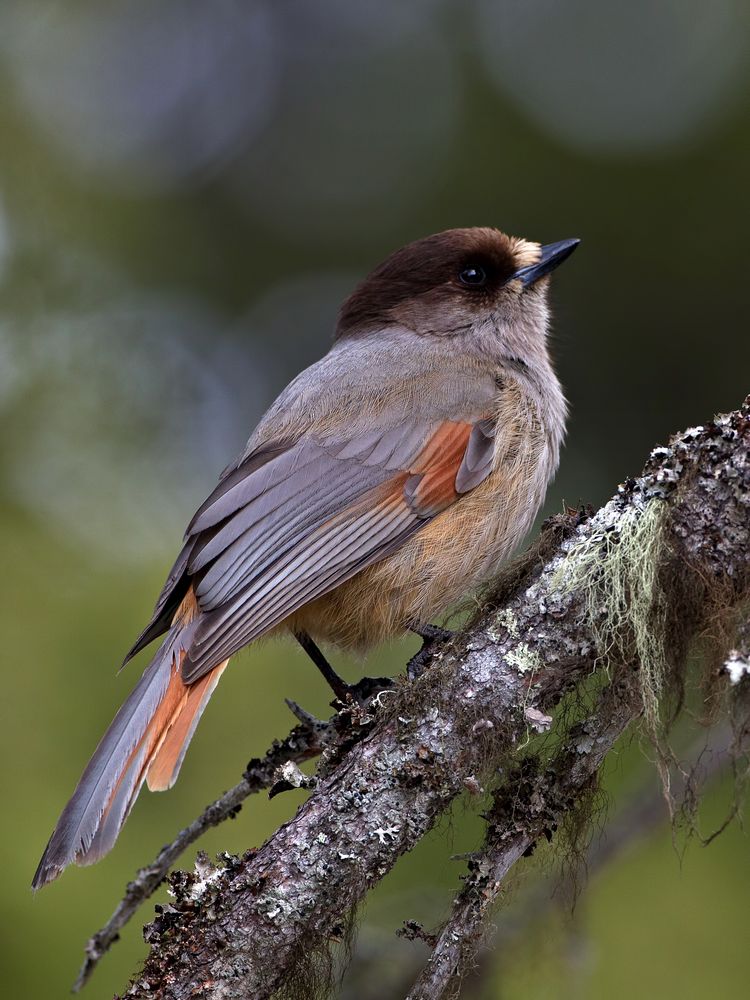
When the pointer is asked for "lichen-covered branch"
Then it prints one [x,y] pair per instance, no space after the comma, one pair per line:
[381,968]
[276,771]
[303,743]
[528,806]
[627,589]
[709,757]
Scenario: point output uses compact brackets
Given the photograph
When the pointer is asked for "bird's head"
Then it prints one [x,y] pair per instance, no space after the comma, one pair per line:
[475,284]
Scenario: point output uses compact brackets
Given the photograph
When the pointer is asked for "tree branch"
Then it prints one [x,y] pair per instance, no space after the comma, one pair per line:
[641,815]
[377,962]
[303,743]
[528,806]
[272,771]
[621,591]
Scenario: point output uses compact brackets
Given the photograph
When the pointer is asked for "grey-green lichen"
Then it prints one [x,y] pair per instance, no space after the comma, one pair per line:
[525,659]
[737,667]
[505,620]
[616,571]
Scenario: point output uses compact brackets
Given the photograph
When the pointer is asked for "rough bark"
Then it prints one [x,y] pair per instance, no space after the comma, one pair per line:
[303,743]
[245,929]
[528,806]
[381,968]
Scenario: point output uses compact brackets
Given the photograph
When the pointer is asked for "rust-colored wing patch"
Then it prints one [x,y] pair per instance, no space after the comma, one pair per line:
[432,485]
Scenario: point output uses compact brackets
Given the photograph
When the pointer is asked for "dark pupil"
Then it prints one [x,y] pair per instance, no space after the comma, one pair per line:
[473,276]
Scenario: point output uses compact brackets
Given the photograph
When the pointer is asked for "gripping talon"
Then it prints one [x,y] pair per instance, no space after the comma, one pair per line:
[432,633]
[432,636]
[359,693]
[367,687]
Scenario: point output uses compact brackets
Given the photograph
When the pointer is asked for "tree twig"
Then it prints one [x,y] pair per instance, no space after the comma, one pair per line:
[304,742]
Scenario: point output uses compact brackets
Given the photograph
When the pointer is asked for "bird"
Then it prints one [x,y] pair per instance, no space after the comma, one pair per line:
[386,482]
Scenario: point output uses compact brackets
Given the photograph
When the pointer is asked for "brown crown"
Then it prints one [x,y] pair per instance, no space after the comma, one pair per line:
[429,269]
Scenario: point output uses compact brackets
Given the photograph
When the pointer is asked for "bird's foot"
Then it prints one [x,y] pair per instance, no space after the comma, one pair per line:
[359,694]
[368,688]
[432,636]
[353,712]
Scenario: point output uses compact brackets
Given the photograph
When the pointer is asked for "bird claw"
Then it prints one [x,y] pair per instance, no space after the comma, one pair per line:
[432,633]
[359,695]
[432,636]
[367,688]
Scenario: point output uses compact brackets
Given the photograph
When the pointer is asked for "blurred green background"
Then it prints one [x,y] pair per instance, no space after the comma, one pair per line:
[187,192]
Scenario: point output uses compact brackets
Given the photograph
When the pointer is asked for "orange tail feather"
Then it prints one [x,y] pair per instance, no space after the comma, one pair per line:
[147,740]
[169,751]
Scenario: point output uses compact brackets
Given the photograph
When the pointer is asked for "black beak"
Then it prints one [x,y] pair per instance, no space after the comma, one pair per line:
[553,254]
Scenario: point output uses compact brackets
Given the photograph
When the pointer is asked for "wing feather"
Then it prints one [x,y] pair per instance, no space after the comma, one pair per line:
[340,484]
[330,555]
[478,457]
[296,520]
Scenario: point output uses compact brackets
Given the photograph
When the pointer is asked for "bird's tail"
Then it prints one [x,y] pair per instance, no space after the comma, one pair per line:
[146,741]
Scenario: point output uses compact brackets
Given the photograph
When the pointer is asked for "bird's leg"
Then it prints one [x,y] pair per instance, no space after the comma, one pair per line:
[337,684]
[432,636]
[360,692]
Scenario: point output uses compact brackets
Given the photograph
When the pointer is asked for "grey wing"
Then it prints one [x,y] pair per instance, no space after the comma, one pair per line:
[307,520]
[297,517]
[479,456]
[292,531]
[178,580]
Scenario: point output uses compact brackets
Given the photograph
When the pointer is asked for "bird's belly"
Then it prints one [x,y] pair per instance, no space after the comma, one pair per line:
[441,564]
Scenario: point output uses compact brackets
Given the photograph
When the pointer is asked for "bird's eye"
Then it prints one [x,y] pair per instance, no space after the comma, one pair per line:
[474,276]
